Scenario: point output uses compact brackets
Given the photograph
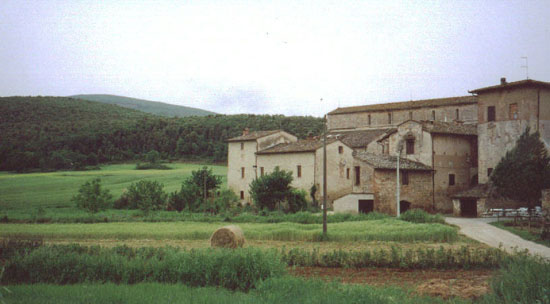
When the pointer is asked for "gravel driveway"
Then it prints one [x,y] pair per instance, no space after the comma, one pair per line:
[479,229]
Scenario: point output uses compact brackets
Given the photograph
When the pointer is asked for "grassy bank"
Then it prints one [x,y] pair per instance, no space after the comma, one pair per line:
[388,229]
[522,233]
[26,192]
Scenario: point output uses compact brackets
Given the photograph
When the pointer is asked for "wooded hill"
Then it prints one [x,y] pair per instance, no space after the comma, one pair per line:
[53,133]
[153,107]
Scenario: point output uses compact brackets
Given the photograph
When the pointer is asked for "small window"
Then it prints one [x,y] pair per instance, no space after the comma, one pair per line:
[340,149]
[411,115]
[489,171]
[347,173]
[404,177]
[457,115]
[386,148]
[410,146]
[242,146]
[357,176]
[389,118]
[299,171]
[514,111]
[491,113]
[433,115]
[451,179]
[242,172]
[261,171]
[242,195]
[369,120]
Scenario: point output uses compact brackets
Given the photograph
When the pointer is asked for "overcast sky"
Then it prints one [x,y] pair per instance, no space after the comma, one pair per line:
[272,57]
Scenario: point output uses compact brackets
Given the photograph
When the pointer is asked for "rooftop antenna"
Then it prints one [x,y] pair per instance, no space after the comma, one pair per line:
[526,66]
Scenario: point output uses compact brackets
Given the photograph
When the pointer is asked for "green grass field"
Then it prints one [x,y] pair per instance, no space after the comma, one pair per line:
[375,230]
[25,192]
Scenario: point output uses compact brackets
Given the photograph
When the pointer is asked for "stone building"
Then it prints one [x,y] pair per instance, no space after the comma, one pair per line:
[241,157]
[447,148]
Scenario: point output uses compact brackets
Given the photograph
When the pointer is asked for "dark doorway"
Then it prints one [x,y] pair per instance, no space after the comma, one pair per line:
[366,206]
[404,206]
[468,207]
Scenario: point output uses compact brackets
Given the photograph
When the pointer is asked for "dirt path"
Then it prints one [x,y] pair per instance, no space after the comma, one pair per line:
[479,229]
[470,284]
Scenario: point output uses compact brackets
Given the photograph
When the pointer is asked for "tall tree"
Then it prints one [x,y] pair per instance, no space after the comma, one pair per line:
[524,171]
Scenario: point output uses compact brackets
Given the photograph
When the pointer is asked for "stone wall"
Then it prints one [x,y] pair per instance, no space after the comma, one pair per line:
[338,183]
[452,155]
[497,137]
[290,162]
[237,159]
[418,192]
[378,119]
[350,202]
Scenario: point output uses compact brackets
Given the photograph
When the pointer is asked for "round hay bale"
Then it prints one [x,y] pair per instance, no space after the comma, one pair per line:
[227,237]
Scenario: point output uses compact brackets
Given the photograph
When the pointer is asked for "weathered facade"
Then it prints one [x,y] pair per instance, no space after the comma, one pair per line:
[241,158]
[447,148]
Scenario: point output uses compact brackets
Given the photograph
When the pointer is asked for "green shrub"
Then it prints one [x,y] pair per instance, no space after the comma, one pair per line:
[92,197]
[272,189]
[151,166]
[240,269]
[144,195]
[296,201]
[421,216]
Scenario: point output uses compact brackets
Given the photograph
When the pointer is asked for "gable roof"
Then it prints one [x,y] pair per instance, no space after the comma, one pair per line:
[514,84]
[385,161]
[251,136]
[358,139]
[440,127]
[405,105]
[305,145]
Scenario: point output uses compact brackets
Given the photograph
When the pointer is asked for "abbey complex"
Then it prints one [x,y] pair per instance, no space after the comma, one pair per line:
[446,147]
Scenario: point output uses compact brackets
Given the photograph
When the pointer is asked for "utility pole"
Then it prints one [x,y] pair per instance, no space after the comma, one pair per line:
[325,179]
[397,183]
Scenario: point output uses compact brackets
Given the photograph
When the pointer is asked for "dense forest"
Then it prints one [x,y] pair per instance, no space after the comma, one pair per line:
[153,107]
[52,133]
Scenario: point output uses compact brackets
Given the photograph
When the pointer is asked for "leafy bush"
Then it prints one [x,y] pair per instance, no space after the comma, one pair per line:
[198,187]
[271,189]
[240,269]
[421,216]
[144,195]
[296,201]
[91,197]
[150,166]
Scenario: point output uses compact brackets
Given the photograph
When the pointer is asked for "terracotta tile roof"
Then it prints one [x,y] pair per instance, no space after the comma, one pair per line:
[449,128]
[306,145]
[358,139]
[508,85]
[477,191]
[404,105]
[253,135]
[385,161]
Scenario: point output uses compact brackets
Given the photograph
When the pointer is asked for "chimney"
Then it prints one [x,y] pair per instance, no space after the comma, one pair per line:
[245,131]
[503,81]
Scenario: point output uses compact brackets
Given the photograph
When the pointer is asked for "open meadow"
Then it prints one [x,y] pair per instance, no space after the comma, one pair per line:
[24,193]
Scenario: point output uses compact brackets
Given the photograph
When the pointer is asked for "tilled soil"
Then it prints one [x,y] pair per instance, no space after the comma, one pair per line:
[468,284]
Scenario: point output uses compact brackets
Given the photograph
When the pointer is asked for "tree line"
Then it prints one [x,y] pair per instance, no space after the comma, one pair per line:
[53,133]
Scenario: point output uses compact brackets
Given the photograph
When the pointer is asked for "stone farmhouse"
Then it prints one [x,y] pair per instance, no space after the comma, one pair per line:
[447,149]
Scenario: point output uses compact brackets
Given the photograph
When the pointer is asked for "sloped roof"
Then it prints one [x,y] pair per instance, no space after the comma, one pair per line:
[358,139]
[509,85]
[449,128]
[385,161]
[306,145]
[404,105]
[253,135]
[477,191]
